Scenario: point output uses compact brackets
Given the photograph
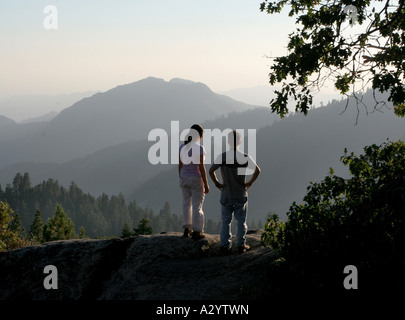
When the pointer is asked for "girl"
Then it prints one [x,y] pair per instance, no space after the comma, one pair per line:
[193,182]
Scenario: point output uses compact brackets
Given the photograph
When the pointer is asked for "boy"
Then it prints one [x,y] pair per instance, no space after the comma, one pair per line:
[234,191]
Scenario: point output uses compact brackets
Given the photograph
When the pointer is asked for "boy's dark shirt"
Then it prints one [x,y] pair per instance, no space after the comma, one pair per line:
[234,172]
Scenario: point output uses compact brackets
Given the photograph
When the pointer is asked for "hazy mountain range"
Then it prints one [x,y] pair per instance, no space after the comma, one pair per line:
[122,114]
[100,143]
[33,108]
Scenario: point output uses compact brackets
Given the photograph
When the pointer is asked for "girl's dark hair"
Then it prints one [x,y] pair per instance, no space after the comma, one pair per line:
[193,129]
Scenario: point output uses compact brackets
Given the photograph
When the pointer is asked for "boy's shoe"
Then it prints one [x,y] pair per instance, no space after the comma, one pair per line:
[197,235]
[225,250]
[244,248]
[187,232]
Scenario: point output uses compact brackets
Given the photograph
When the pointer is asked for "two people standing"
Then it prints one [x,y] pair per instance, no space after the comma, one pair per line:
[234,188]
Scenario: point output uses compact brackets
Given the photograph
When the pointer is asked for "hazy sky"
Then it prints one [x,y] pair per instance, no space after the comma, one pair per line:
[100,44]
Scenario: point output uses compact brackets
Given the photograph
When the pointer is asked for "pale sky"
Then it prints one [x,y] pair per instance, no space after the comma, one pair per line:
[100,44]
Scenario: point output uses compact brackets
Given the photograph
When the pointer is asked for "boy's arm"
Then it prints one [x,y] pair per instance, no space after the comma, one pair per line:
[253,178]
[214,178]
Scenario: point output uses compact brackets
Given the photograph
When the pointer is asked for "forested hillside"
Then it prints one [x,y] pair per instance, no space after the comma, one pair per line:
[99,216]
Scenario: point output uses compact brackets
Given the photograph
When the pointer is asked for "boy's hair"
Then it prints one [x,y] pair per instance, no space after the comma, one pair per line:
[234,139]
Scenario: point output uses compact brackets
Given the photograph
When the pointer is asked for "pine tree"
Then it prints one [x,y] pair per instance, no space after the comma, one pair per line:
[17,182]
[126,231]
[143,228]
[15,225]
[25,183]
[82,232]
[37,228]
[59,227]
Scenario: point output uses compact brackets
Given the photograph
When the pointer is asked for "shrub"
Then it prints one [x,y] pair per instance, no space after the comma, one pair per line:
[357,221]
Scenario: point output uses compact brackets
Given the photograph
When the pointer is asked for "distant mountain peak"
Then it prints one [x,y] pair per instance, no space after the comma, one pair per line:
[185,82]
[151,79]
[152,85]
[182,81]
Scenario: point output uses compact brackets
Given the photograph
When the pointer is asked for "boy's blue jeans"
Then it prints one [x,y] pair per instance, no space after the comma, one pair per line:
[237,207]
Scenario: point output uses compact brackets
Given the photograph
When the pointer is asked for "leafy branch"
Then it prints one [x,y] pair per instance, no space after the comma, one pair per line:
[326,46]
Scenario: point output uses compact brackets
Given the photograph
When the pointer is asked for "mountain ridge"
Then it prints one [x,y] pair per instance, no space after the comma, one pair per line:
[121,167]
[126,112]
[23,107]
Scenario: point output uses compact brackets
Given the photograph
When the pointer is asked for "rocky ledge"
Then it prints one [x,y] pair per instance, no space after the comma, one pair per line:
[162,266]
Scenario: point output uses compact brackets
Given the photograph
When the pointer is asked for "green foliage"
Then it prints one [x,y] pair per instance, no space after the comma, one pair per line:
[82,233]
[126,231]
[358,221]
[10,229]
[143,228]
[324,47]
[273,228]
[37,228]
[59,227]
[399,110]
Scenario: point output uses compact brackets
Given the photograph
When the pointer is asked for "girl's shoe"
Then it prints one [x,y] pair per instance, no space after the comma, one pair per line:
[197,235]
[187,232]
